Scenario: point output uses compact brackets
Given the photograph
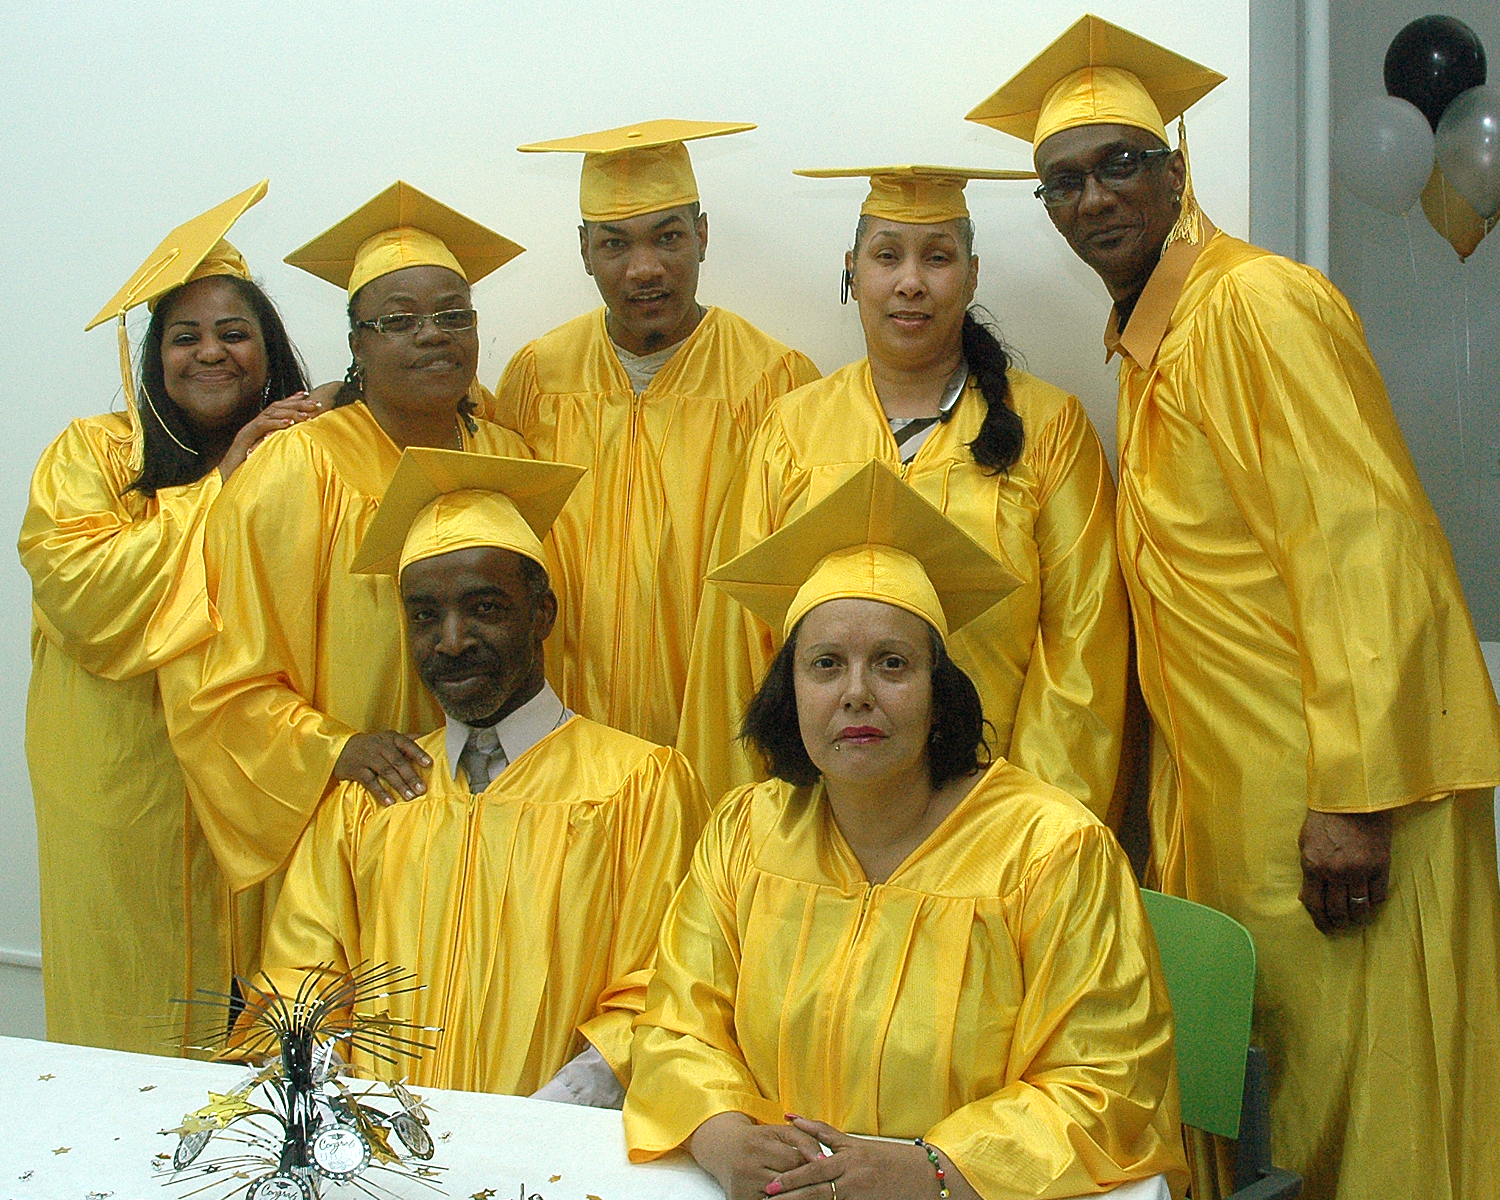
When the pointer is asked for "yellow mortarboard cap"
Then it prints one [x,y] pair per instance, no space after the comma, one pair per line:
[196,249]
[439,501]
[1096,73]
[915,195]
[637,169]
[402,227]
[872,537]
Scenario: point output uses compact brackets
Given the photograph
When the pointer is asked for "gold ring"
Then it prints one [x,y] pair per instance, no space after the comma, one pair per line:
[834,1185]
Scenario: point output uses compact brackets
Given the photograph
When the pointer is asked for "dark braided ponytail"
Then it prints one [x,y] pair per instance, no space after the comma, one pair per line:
[1001,434]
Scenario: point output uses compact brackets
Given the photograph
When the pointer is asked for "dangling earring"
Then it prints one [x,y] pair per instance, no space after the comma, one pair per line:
[265,393]
[845,283]
[354,377]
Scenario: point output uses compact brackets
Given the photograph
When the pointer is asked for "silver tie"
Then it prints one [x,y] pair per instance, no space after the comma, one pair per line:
[482,759]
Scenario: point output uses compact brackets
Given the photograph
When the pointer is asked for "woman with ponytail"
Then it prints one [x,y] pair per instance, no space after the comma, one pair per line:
[1014,461]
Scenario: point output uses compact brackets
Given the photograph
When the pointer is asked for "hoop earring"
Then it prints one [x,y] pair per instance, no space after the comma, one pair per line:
[846,281]
[354,377]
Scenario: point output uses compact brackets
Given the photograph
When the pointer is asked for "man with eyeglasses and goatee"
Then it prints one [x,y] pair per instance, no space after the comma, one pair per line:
[1326,737]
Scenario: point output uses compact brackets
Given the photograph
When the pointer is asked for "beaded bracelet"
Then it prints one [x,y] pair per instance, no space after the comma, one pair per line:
[942,1175]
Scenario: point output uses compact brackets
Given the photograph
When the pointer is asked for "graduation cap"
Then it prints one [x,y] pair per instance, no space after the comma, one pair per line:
[194,250]
[637,169]
[873,537]
[915,195]
[403,227]
[1096,73]
[439,501]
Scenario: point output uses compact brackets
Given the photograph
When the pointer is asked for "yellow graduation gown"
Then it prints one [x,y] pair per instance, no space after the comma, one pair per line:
[530,912]
[134,911]
[1049,661]
[310,653]
[629,551]
[999,995]
[1304,643]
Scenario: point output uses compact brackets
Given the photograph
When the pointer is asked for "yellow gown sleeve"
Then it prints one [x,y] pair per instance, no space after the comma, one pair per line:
[685,1059]
[1071,715]
[667,809]
[258,755]
[732,648]
[518,383]
[1398,704]
[317,913]
[120,593]
[1092,1101]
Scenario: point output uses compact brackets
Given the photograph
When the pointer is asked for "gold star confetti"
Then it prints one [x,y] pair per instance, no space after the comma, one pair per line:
[27,1176]
[221,1109]
[554,1178]
[44,1078]
[484,1195]
[150,1087]
[425,1172]
[588,1197]
[443,1137]
[62,1149]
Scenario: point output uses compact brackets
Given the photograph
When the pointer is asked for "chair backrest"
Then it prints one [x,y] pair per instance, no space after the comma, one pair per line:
[1209,963]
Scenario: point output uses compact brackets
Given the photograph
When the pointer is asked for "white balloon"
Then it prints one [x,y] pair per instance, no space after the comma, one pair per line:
[1382,152]
[1468,148]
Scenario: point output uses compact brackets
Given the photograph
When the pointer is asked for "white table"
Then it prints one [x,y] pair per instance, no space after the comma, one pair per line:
[83,1124]
[106,1109]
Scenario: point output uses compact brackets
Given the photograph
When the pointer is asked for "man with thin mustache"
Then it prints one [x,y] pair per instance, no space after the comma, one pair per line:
[526,884]
[658,397]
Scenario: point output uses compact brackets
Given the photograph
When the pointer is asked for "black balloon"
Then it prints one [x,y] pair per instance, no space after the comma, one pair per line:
[1431,61]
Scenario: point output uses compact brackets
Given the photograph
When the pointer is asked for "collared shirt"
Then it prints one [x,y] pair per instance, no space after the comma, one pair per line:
[1152,314]
[518,732]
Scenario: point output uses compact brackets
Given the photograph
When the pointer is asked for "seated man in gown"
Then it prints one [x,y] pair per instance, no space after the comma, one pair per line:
[526,886]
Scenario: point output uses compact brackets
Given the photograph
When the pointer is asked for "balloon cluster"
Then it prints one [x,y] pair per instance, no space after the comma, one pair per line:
[1435,135]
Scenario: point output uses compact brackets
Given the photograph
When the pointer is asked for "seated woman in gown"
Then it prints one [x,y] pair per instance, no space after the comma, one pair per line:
[893,936]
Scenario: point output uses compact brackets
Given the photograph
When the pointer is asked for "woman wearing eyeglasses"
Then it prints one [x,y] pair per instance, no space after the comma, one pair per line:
[1014,461]
[134,913]
[310,683]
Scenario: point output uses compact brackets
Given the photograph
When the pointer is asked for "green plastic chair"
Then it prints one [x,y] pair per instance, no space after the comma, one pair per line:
[1209,963]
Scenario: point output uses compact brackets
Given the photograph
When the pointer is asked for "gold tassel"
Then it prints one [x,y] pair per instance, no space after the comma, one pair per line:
[1189,227]
[132,414]
[132,410]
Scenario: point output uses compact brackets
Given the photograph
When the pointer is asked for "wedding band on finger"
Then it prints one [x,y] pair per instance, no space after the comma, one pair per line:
[834,1185]
[1359,899]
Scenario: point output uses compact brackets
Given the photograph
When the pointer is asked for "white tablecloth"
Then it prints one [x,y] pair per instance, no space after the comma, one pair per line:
[84,1124]
[105,1108]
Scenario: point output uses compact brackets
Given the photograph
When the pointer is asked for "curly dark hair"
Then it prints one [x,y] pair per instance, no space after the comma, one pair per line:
[1001,436]
[956,744]
[165,463]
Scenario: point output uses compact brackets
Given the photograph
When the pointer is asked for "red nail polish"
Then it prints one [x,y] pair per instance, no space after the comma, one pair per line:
[791,1116]
[773,1188]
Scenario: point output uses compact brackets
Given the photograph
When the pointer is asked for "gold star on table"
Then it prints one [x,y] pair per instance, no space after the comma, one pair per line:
[150,1087]
[484,1195]
[44,1078]
[218,1112]
[62,1149]
[554,1178]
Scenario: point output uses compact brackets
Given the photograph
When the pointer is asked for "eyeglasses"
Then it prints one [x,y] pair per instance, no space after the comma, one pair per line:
[450,320]
[1113,173]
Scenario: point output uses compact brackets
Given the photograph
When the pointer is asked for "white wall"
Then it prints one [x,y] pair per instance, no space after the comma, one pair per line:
[123,120]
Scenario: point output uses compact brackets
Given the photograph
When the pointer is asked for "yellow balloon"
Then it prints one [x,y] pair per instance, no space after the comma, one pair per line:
[1453,216]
